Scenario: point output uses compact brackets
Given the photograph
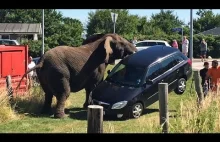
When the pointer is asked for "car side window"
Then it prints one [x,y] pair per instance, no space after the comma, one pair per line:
[161,43]
[141,44]
[152,43]
[178,58]
[153,71]
[167,64]
[12,43]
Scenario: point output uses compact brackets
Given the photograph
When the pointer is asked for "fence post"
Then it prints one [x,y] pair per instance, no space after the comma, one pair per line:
[163,106]
[198,86]
[9,87]
[95,119]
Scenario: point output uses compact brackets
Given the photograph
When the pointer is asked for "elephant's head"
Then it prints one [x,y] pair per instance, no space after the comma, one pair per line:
[92,38]
[116,47]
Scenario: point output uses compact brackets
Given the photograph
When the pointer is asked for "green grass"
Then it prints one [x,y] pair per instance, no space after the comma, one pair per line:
[76,121]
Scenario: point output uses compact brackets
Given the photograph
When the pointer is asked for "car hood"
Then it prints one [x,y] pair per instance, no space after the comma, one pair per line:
[111,93]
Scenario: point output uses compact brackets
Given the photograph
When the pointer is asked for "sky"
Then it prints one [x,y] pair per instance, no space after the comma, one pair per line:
[82,14]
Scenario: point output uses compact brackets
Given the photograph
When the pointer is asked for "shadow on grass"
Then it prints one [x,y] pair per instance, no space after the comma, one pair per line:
[81,114]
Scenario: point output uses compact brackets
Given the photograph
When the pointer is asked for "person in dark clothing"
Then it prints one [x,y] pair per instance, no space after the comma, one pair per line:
[205,83]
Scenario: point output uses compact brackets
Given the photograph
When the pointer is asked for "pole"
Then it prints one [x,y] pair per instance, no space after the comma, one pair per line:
[182,34]
[114,22]
[9,87]
[191,34]
[163,106]
[95,119]
[42,32]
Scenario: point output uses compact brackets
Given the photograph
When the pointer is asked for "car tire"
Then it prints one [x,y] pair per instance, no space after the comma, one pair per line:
[181,86]
[136,110]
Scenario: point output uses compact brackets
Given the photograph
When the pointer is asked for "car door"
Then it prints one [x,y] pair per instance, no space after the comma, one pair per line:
[151,91]
[169,72]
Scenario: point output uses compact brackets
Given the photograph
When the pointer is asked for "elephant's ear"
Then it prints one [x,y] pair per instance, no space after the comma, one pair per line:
[108,48]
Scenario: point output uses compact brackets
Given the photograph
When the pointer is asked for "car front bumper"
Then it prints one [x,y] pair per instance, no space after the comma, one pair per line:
[107,111]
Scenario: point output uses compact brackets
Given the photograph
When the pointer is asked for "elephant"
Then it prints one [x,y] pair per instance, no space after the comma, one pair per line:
[64,69]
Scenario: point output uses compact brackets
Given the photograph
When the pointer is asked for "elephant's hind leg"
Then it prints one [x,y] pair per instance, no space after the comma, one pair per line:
[48,98]
[62,90]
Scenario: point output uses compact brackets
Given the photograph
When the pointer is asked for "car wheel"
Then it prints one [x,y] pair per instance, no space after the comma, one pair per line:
[181,86]
[136,110]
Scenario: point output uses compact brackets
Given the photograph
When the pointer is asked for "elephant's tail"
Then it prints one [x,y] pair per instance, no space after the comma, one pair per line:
[39,65]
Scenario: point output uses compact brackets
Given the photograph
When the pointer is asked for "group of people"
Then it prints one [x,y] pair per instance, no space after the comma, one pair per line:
[185,47]
[210,76]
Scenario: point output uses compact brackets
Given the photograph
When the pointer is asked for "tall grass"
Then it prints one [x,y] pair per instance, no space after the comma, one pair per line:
[29,103]
[190,117]
[7,112]
[195,118]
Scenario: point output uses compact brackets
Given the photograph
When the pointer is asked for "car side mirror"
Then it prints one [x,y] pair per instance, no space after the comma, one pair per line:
[108,71]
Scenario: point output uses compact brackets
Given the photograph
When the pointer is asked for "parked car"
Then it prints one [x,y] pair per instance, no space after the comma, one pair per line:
[140,45]
[9,42]
[132,85]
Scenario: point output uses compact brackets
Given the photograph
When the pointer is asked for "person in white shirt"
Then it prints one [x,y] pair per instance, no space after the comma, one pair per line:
[185,46]
[31,64]
[134,41]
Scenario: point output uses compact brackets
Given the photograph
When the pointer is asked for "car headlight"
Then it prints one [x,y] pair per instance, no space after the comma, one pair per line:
[119,105]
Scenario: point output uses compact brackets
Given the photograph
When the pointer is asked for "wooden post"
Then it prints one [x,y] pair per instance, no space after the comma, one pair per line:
[163,106]
[198,86]
[95,119]
[9,86]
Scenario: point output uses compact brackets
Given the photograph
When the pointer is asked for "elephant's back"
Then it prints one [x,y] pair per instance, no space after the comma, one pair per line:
[65,58]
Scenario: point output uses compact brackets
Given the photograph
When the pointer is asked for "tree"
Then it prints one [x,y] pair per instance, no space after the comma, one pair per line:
[58,30]
[166,20]
[100,22]
[207,20]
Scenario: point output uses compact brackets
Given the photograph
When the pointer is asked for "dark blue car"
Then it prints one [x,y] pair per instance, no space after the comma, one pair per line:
[132,85]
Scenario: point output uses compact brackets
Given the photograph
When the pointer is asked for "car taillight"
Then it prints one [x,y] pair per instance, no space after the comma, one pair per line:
[189,62]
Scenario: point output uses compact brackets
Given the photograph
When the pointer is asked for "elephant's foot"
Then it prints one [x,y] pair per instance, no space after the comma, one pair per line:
[59,115]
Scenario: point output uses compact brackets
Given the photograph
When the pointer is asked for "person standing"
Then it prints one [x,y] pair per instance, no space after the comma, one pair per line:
[205,83]
[203,50]
[175,44]
[134,41]
[213,74]
[185,46]
[31,64]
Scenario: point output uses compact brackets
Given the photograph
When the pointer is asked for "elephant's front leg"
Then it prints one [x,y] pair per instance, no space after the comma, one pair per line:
[86,103]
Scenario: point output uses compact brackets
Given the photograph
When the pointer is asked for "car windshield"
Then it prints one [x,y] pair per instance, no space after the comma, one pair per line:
[126,75]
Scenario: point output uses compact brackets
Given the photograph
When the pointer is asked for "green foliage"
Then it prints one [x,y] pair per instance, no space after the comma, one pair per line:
[206,21]
[100,22]
[58,30]
[166,20]
[213,43]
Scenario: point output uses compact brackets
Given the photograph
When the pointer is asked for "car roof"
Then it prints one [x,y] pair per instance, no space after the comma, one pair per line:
[152,41]
[147,56]
[8,39]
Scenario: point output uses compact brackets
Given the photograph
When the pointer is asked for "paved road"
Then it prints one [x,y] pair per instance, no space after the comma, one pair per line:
[196,65]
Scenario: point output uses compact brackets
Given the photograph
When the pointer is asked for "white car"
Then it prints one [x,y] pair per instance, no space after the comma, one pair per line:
[140,45]
[8,42]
